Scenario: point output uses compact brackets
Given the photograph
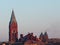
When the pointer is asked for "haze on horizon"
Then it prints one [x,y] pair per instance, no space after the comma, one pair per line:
[32,16]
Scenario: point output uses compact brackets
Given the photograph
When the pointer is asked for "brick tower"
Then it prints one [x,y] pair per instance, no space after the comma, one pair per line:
[13,29]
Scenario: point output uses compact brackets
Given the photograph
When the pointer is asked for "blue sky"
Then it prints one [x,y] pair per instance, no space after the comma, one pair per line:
[32,16]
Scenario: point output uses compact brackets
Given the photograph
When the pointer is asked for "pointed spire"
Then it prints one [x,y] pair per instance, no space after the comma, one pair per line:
[13,19]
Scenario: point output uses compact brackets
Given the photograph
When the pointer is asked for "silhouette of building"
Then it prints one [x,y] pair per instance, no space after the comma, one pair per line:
[46,36]
[41,36]
[13,28]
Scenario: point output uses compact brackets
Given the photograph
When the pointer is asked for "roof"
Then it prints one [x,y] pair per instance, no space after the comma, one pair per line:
[13,19]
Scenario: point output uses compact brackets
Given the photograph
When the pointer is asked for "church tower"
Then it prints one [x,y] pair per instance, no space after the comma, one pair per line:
[13,28]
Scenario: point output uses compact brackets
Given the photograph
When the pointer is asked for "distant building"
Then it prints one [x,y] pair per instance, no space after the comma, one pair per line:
[44,37]
[13,28]
[41,36]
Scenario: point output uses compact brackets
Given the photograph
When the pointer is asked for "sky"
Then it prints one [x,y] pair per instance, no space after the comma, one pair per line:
[32,16]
